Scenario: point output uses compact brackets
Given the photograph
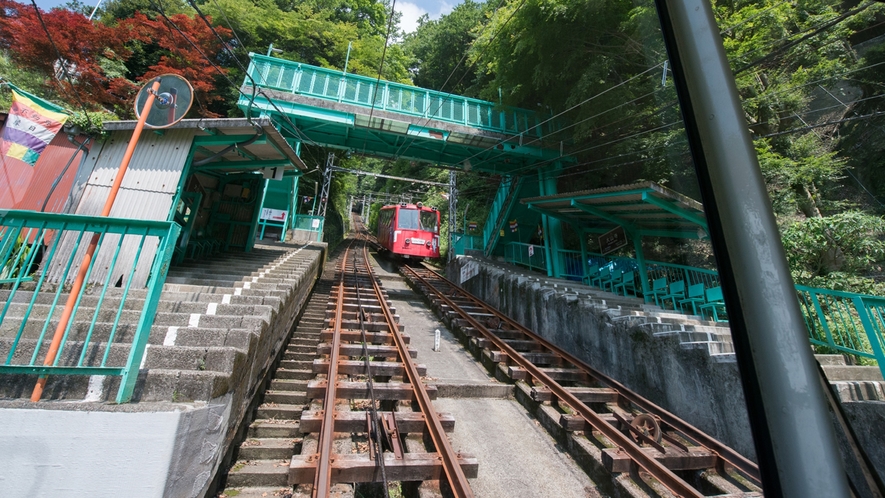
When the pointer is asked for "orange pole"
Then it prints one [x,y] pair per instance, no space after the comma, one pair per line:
[93,244]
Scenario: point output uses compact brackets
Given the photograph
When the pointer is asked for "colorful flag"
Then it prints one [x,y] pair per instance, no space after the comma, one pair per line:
[31,125]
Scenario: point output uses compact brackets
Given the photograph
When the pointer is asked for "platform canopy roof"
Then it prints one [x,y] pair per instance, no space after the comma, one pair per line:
[234,145]
[644,209]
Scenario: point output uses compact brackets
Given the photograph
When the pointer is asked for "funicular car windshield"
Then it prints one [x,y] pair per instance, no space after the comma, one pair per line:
[428,221]
[407,219]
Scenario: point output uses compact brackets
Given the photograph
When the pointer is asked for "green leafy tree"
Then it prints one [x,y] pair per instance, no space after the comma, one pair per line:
[438,49]
[842,251]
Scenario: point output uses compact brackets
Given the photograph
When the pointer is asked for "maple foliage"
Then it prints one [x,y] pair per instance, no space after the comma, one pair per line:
[83,46]
[96,54]
[178,55]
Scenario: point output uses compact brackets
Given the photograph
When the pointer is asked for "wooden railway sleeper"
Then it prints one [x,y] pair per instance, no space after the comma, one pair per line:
[621,440]
[734,459]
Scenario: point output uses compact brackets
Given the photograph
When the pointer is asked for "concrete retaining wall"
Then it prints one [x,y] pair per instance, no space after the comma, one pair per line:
[685,381]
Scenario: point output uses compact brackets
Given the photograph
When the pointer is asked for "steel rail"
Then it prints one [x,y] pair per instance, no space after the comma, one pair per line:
[660,472]
[322,485]
[699,437]
[455,475]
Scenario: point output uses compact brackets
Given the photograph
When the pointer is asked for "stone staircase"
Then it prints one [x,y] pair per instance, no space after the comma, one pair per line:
[213,317]
[851,382]
[262,461]
[692,331]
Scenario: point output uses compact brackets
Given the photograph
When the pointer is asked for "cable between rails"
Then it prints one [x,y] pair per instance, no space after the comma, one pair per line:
[361,314]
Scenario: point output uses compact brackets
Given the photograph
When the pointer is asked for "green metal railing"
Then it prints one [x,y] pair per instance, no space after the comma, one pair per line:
[308,223]
[500,207]
[532,256]
[337,86]
[462,243]
[104,336]
[689,274]
[570,263]
[845,322]
[842,321]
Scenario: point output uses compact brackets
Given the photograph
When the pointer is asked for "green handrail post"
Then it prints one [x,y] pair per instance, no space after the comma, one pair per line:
[162,260]
[874,333]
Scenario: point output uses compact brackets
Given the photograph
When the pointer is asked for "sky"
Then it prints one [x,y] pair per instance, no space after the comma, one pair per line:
[411,9]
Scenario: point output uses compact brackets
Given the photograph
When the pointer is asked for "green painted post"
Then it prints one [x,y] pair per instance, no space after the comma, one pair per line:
[152,301]
[250,241]
[640,261]
[552,226]
[585,266]
[260,209]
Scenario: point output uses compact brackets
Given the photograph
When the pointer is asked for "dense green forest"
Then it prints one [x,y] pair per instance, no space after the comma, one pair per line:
[811,74]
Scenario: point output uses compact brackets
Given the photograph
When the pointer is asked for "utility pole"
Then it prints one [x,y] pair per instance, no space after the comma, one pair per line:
[327,183]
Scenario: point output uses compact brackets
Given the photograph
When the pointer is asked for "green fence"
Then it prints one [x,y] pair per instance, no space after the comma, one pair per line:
[844,322]
[689,274]
[532,256]
[308,223]
[462,243]
[41,253]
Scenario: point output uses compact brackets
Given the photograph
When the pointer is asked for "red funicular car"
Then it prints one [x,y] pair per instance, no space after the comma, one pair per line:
[410,230]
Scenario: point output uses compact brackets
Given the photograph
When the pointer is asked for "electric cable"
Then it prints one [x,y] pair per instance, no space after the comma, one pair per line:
[255,88]
[220,71]
[383,55]
[475,62]
[562,113]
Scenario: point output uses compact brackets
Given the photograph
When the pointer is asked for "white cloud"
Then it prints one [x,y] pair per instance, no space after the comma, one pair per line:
[410,14]
[412,11]
[444,8]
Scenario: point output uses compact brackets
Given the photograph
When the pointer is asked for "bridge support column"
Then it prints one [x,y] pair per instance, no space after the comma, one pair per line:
[551,226]
[453,206]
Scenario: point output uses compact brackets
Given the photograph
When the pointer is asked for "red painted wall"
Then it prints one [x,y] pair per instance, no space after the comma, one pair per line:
[26,187]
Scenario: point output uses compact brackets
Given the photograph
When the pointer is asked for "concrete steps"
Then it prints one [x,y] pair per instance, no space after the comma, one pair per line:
[852,382]
[211,314]
[274,435]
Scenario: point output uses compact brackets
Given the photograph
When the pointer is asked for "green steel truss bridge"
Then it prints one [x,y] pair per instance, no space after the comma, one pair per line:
[380,118]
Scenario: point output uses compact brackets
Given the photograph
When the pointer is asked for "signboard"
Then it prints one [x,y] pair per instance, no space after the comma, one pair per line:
[272,173]
[469,270]
[274,215]
[612,240]
[531,251]
[315,223]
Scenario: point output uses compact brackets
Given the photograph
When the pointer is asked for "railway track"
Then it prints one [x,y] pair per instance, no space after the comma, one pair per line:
[664,455]
[372,390]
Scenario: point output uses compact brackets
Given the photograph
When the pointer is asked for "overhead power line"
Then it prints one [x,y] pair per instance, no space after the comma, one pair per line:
[379,175]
